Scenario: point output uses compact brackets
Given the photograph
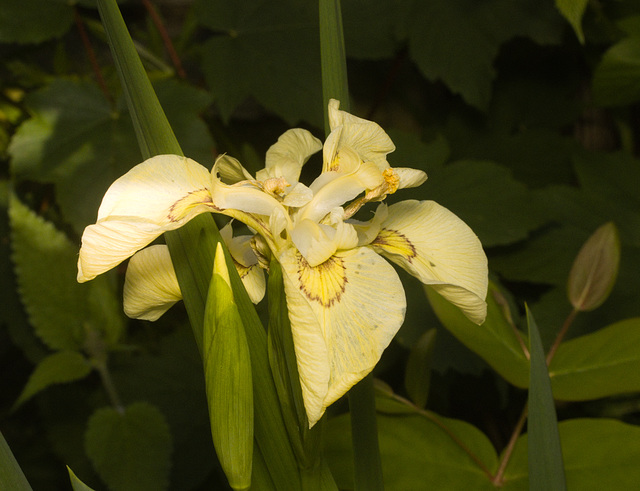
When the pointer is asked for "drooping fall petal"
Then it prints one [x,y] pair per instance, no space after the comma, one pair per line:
[150,287]
[343,315]
[438,248]
[160,194]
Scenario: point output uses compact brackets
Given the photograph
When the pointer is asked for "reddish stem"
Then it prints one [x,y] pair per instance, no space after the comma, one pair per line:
[91,54]
[157,21]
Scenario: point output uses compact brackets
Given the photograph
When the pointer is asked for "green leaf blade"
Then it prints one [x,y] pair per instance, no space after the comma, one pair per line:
[546,467]
[11,475]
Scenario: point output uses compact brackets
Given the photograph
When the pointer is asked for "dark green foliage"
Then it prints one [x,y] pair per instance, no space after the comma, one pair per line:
[524,115]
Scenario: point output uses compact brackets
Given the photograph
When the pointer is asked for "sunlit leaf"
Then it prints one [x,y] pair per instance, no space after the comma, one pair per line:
[130,450]
[60,367]
[77,140]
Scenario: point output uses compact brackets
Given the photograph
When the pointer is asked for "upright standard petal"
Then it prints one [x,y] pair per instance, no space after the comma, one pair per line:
[158,195]
[344,313]
[438,248]
[365,137]
[244,196]
[286,157]
[150,286]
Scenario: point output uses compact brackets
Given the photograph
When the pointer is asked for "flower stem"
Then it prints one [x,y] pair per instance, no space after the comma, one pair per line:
[497,479]
[364,435]
[563,332]
[168,44]
[91,54]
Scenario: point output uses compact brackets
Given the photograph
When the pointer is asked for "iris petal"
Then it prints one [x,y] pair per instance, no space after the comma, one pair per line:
[438,248]
[343,315]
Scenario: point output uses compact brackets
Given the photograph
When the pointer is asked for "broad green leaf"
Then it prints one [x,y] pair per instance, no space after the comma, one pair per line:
[13,315]
[11,475]
[417,376]
[595,269]
[34,21]
[58,368]
[45,265]
[76,483]
[130,450]
[497,207]
[265,50]
[598,454]
[573,10]
[419,451]
[59,308]
[615,79]
[601,364]
[546,469]
[228,378]
[495,340]
[77,140]
[456,41]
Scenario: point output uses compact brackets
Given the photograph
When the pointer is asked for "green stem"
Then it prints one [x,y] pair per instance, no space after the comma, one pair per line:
[563,332]
[506,456]
[364,435]
[333,58]
[367,462]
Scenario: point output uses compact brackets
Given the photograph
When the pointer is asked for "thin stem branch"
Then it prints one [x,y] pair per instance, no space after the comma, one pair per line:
[91,54]
[168,44]
[563,331]
[497,479]
[109,386]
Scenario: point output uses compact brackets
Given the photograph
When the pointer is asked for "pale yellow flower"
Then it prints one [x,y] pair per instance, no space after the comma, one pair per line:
[345,301]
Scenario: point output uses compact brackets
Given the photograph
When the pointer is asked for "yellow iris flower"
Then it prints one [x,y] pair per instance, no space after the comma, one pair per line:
[345,301]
